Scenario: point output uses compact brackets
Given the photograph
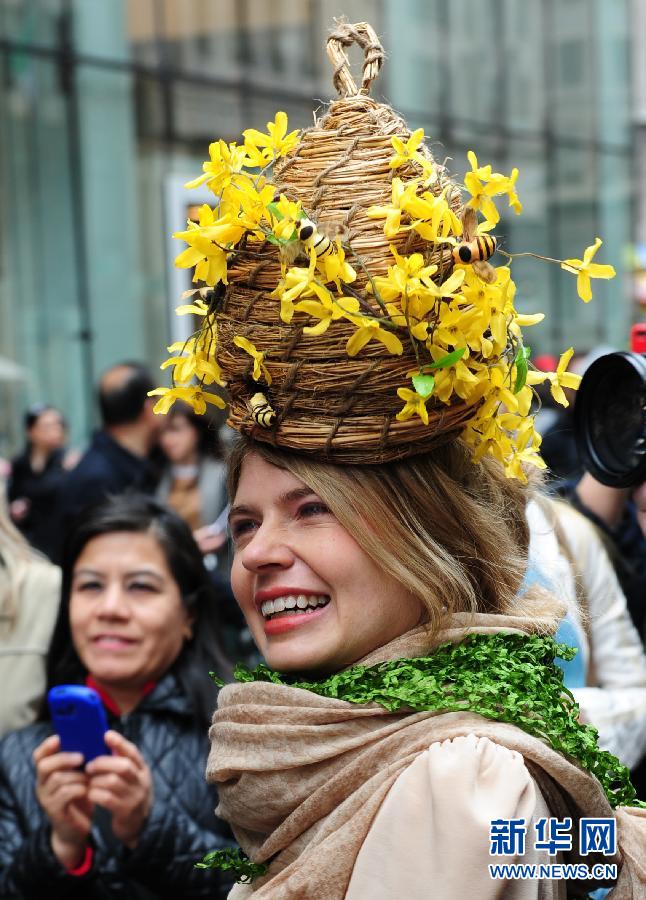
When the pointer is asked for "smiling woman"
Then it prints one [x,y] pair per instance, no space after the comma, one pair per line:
[138,623]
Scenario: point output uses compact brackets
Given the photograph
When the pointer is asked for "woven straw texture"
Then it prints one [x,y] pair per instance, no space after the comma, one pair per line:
[340,408]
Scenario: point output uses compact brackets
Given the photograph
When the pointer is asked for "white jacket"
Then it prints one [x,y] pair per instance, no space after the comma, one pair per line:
[616,704]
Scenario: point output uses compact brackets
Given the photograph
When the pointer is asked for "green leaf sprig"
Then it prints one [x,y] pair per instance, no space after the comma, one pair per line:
[234,860]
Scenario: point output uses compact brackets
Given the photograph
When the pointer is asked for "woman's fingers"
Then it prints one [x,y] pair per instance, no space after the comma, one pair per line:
[115,783]
[59,779]
[107,799]
[59,762]
[68,793]
[124,748]
[49,746]
[114,765]
[79,813]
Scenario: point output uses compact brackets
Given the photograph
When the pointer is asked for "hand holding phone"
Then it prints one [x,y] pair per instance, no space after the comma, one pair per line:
[62,791]
[79,720]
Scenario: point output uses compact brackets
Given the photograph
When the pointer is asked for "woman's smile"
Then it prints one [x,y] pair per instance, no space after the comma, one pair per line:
[113,642]
[312,597]
[284,608]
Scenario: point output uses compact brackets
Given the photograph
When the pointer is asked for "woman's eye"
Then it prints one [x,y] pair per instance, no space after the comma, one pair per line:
[142,587]
[313,509]
[240,527]
[88,586]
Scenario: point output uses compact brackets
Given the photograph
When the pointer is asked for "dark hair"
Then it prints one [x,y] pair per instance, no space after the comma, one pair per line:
[124,402]
[207,433]
[33,414]
[202,652]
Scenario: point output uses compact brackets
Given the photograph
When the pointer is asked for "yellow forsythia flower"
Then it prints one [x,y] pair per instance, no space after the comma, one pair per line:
[585,269]
[259,367]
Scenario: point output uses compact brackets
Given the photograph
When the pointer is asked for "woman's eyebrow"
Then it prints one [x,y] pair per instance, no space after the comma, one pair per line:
[86,571]
[297,494]
[284,499]
[94,573]
[153,573]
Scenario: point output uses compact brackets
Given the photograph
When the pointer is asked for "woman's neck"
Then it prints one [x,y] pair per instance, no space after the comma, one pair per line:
[38,458]
[190,459]
[120,699]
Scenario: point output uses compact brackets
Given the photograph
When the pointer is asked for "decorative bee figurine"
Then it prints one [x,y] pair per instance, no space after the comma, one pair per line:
[213,296]
[311,238]
[475,249]
[261,411]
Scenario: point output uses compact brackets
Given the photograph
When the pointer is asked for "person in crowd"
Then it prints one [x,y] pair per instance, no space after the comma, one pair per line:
[37,478]
[620,516]
[194,480]
[608,674]
[137,623]
[118,456]
[194,485]
[29,598]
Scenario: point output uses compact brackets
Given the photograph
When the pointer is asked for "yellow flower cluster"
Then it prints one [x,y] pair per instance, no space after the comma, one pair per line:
[195,360]
[465,332]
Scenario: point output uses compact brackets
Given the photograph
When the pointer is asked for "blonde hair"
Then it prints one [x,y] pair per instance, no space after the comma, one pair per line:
[16,555]
[454,533]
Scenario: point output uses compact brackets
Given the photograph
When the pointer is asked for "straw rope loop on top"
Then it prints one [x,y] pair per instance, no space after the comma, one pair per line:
[365,36]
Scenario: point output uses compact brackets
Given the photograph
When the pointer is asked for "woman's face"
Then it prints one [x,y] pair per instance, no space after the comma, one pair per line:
[48,431]
[127,618]
[331,603]
[179,440]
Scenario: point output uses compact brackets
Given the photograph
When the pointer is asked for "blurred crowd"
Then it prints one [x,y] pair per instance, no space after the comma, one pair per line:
[125,547]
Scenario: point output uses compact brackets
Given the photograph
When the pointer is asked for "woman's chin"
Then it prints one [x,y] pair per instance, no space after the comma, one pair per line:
[299,655]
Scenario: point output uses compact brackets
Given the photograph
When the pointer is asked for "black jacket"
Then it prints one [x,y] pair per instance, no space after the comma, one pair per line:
[181,826]
[44,491]
[105,468]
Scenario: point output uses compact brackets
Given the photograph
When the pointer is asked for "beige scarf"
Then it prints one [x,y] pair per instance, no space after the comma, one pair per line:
[301,777]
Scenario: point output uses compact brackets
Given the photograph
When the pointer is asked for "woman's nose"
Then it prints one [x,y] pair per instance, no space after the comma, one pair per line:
[268,548]
[113,603]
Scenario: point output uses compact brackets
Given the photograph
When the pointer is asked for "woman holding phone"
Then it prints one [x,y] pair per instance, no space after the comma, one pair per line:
[137,625]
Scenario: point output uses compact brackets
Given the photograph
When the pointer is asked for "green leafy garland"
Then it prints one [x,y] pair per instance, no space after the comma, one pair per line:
[234,860]
[505,677]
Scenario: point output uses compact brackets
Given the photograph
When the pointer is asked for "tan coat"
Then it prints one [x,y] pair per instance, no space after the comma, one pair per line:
[24,642]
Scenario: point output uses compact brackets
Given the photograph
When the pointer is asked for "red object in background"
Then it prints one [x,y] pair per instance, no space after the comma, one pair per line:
[638,338]
[546,362]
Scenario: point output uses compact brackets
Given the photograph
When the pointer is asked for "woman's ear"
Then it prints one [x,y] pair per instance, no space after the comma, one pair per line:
[187,630]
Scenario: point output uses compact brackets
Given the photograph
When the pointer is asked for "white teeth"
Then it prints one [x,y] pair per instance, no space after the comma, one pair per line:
[293,601]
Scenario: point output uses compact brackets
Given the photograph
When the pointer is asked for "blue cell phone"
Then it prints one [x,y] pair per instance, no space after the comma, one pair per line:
[79,720]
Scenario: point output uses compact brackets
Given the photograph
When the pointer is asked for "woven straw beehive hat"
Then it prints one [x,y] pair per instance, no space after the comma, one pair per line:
[357,279]
[327,403]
